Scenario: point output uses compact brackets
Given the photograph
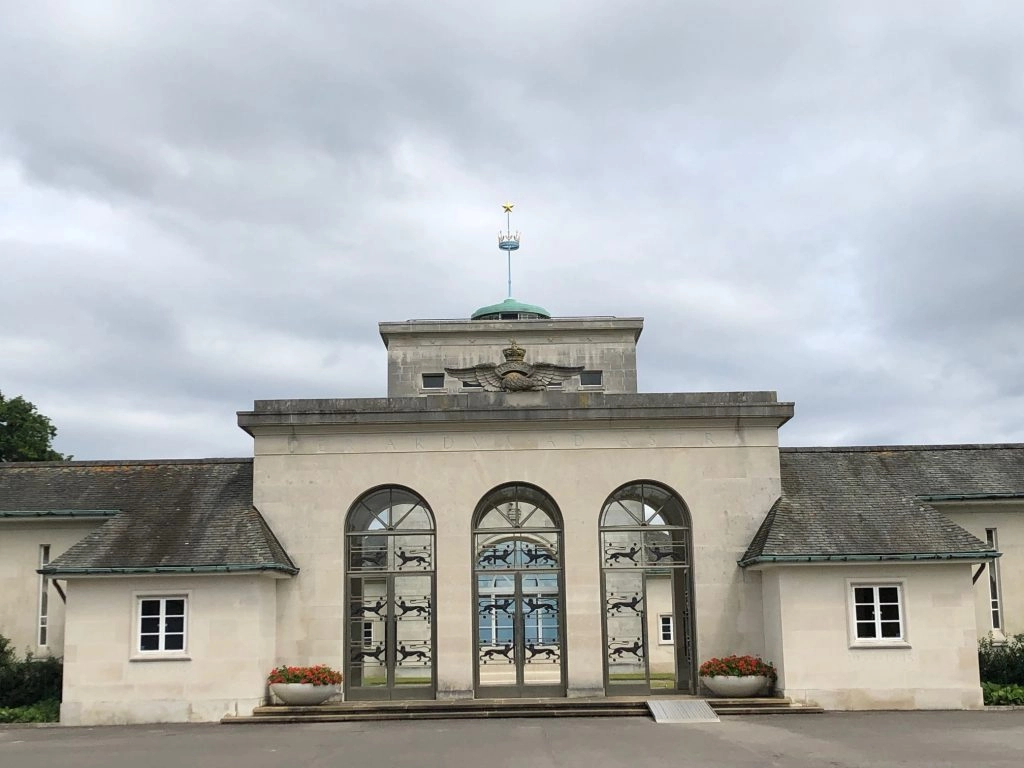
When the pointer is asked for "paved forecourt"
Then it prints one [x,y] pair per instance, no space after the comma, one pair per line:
[878,739]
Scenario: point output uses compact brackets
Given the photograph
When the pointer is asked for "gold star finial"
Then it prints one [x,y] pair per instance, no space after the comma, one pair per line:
[508,207]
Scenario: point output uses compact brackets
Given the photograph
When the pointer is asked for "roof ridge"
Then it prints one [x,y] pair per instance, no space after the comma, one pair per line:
[123,462]
[889,448]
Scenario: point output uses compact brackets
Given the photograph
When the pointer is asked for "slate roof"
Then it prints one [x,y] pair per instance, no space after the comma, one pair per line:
[872,502]
[172,516]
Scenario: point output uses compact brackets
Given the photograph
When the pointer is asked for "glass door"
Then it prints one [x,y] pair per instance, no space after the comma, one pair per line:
[519,622]
[390,625]
[648,596]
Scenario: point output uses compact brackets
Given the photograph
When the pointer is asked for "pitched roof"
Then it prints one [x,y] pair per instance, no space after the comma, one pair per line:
[872,502]
[174,516]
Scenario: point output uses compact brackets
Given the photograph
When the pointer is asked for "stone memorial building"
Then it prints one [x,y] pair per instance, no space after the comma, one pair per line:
[514,519]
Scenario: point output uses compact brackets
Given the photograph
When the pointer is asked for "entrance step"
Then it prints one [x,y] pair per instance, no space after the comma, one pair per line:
[462,709]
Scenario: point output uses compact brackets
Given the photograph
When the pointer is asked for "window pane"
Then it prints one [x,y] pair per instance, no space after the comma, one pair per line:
[150,625]
[150,608]
[175,624]
[865,629]
[590,378]
[888,595]
[890,629]
[174,643]
[865,613]
[433,380]
[175,607]
[863,595]
[890,612]
[149,643]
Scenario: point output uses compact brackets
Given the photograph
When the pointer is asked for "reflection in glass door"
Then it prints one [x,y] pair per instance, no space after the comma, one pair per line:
[390,542]
[518,594]
[647,587]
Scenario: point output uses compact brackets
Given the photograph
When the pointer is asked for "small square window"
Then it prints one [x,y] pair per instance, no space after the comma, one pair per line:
[877,614]
[433,380]
[591,378]
[162,624]
[665,629]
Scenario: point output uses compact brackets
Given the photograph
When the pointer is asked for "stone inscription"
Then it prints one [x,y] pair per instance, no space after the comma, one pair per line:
[503,441]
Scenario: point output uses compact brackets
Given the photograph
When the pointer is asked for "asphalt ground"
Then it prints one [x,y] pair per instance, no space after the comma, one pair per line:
[905,739]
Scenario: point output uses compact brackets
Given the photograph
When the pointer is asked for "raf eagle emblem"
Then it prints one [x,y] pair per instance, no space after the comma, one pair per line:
[514,375]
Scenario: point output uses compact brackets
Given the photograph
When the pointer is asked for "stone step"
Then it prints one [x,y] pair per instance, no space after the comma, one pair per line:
[498,708]
[791,709]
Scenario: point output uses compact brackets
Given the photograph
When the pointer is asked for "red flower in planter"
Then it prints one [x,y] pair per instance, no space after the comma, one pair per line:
[737,666]
[320,674]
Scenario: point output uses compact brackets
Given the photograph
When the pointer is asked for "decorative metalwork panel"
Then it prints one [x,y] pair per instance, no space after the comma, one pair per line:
[644,548]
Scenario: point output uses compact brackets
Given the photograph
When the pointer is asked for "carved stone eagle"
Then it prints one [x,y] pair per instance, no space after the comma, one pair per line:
[514,375]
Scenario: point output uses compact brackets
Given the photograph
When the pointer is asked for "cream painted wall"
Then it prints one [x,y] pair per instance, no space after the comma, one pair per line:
[937,668]
[304,485]
[230,651]
[659,603]
[1007,517]
[19,583]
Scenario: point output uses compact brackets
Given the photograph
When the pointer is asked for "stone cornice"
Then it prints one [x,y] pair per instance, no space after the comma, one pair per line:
[548,408]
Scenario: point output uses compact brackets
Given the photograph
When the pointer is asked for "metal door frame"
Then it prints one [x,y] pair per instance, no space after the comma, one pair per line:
[520,689]
[541,500]
[683,602]
[390,690]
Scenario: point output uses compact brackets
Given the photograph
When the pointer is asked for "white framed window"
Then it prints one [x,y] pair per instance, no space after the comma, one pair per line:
[44,596]
[995,590]
[877,614]
[591,378]
[162,624]
[367,633]
[666,633]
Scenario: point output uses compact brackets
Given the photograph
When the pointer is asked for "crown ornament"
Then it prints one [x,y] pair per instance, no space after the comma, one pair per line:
[514,354]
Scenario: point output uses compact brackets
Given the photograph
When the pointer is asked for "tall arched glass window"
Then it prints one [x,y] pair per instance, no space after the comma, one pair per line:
[647,583]
[389,543]
[520,619]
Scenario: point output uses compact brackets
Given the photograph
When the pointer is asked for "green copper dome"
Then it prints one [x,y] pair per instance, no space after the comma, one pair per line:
[510,306]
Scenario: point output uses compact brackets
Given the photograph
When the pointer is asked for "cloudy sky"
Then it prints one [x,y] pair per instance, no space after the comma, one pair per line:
[203,203]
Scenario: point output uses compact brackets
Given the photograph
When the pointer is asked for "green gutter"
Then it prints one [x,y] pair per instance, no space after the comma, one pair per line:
[178,569]
[972,496]
[986,554]
[30,513]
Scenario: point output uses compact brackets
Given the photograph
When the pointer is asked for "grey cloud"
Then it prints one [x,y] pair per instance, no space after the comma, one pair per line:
[216,202]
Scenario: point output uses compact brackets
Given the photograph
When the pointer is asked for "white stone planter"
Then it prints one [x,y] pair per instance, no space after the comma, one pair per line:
[302,694]
[735,687]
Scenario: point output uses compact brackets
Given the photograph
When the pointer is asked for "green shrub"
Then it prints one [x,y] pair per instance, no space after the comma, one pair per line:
[1002,663]
[43,712]
[6,652]
[29,681]
[996,694]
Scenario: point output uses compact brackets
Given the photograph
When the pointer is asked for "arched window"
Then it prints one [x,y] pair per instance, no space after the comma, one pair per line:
[389,544]
[647,580]
[517,563]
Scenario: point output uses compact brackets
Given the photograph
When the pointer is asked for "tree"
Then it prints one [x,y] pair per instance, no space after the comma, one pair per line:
[26,434]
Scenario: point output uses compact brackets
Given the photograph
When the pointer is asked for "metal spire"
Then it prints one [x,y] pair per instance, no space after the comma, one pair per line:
[508,241]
